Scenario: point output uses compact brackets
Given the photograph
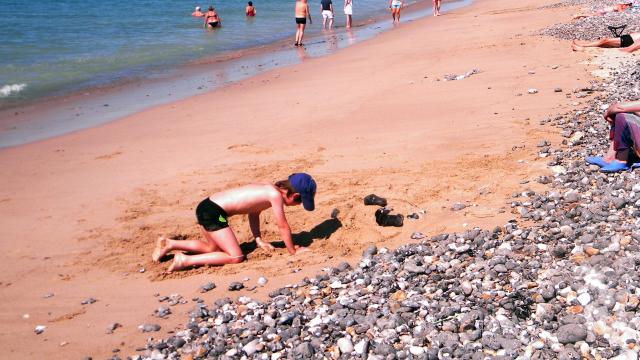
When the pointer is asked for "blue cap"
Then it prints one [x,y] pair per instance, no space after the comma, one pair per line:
[304,185]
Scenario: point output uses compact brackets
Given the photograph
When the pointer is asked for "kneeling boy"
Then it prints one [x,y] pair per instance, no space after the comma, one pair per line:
[220,245]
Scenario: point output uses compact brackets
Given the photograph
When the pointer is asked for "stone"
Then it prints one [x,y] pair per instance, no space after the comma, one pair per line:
[571,333]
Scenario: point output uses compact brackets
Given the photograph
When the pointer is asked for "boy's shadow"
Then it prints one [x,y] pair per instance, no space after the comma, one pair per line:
[303,238]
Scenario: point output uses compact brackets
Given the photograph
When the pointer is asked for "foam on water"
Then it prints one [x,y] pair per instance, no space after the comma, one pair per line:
[11,89]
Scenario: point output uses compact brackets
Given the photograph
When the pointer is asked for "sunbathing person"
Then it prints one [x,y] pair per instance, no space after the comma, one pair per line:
[628,43]
[624,119]
[620,7]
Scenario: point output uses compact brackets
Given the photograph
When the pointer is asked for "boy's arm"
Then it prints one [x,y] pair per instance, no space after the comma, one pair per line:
[309,14]
[254,224]
[283,226]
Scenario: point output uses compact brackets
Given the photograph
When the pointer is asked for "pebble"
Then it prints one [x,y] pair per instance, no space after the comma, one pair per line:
[149,327]
[235,286]
[458,206]
[262,281]
[39,329]
[207,287]
[88,301]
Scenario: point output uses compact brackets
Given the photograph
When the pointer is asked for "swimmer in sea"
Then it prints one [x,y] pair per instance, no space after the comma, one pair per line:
[301,13]
[250,10]
[627,43]
[197,13]
[211,19]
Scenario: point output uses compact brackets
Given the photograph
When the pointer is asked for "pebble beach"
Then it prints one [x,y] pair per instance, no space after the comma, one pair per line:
[512,247]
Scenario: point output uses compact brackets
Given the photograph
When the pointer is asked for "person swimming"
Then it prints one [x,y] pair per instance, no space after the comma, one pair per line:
[250,10]
[211,19]
[197,13]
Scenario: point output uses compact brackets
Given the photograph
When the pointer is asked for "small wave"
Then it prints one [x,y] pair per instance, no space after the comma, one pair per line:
[10,89]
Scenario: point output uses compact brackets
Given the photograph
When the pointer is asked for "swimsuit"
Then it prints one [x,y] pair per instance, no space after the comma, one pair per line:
[302,20]
[626,41]
[251,12]
[396,4]
[213,24]
[211,216]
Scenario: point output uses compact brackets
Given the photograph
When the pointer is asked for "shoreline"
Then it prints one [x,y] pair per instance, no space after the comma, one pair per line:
[384,124]
[41,119]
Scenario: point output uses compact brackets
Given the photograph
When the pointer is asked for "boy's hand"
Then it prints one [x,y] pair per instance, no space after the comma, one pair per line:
[264,245]
[301,249]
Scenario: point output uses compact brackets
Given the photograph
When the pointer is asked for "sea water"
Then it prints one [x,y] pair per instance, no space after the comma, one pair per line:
[52,47]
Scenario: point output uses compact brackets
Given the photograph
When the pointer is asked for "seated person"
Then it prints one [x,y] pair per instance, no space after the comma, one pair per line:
[624,119]
[628,43]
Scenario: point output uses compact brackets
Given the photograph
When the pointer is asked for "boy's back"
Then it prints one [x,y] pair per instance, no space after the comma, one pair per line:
[248,199]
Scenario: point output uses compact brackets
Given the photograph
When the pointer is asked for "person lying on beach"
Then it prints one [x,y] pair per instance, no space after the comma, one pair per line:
[250,11]
[605,10]
[624,135]
[197,13]
[628,43]
[396,6]
[220,245]
[211,19]
[301,13]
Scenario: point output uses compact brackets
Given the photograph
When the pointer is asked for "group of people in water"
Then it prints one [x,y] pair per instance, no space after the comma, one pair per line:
[302,13]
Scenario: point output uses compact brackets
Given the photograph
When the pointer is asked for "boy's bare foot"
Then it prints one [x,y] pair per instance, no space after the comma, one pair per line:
[161,249]
[264,245]
[178,262]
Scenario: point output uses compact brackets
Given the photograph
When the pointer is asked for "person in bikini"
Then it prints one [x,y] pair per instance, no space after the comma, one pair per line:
[396,6]
[211,19]
[624,135]
[301,13]
[197,13]
[220,246]
[628,43]
[250,11]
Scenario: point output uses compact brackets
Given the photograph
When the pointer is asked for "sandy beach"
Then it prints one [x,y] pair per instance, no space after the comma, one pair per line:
[81,212]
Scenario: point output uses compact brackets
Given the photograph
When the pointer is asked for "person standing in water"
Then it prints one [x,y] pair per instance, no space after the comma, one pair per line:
[301,13]
[211,19]
[436,7]
[396,6]
[250,11]
[326,7]
[348,11]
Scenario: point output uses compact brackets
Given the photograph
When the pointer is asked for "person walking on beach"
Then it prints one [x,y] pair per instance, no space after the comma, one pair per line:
[220,246]
[348,12]
[396,6]
[436,7]
[197,12]
[211,19]
[250,11]
[624,119]
[628,43]
[326,7]
[301,13]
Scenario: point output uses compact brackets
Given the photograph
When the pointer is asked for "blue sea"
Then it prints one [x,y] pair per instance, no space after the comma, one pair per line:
[54,47]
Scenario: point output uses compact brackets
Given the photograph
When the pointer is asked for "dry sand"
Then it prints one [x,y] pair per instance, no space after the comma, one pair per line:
[80,213]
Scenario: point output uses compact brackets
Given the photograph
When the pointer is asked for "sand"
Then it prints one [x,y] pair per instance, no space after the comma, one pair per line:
[81,212]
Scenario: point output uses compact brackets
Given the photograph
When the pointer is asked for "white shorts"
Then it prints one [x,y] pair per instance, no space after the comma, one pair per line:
[327,14]
[348,10]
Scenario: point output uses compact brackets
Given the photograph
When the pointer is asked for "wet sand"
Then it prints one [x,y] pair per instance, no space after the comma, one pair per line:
[81,212]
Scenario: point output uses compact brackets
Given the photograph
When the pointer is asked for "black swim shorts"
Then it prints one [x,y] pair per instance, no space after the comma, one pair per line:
[626,41]
[301,20]
[211,216]
[213,24]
